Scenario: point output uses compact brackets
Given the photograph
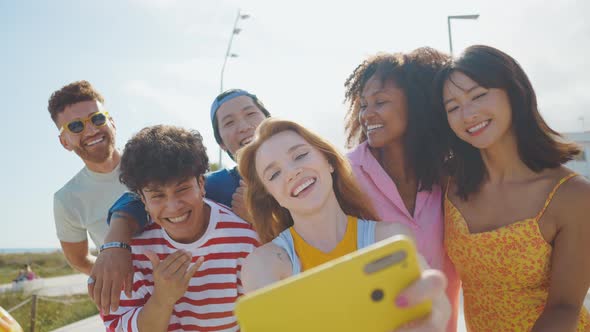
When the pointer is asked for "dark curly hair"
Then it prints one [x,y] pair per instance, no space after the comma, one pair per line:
[160,154]
[414,74]
[70,94]
[539,146]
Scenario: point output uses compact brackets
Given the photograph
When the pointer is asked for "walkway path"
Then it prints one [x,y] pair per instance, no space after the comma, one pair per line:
[57,286]
[90,324]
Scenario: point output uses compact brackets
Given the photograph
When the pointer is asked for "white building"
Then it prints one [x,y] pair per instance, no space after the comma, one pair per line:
[582,163]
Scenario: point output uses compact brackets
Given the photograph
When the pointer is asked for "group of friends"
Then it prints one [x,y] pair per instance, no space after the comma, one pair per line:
[453,153]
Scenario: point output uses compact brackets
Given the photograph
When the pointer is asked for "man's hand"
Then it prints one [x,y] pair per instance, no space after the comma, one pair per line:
[113,269]
[431,286]
[172,275]
[112,272]
[238,203]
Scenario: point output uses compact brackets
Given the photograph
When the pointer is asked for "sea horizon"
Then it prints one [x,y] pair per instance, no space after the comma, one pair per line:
[28,250]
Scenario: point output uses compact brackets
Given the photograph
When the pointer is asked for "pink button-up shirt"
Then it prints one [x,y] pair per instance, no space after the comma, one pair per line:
[426,223]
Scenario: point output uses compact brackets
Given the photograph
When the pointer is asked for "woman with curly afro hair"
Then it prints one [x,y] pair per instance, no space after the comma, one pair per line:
[398,151]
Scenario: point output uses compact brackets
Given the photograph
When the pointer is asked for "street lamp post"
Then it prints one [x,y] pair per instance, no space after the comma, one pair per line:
[459,17]
[228,54]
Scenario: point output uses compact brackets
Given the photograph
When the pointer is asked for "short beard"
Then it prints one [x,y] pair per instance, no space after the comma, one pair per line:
[98,156]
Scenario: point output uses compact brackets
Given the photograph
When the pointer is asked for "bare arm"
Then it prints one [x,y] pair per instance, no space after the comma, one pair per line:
[113,269]
[264,266]
[570,266]
[72,235]
[78,256]
[122,228]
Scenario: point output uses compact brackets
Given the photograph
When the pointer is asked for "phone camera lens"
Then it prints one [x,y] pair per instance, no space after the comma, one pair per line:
[377,295]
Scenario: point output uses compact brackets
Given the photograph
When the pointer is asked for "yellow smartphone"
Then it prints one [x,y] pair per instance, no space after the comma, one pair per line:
[355,292]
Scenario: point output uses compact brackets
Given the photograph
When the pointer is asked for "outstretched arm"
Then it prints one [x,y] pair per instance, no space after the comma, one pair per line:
[78,256]
[113,270]
[264,266]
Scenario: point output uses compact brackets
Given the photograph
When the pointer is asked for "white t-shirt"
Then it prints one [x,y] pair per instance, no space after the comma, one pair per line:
[82,205]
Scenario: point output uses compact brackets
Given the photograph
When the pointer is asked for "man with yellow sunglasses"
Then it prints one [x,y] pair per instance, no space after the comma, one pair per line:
[81,205]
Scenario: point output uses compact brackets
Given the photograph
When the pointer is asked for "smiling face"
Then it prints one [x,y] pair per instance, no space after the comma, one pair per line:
[478,115]
[383,112]
[178,207]
[94,144]
[237,119]
[295,173]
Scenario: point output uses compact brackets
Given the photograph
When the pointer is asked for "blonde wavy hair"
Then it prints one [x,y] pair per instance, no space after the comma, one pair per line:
[269,218]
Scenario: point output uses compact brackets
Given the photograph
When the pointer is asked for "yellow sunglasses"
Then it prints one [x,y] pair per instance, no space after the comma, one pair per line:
[77,126]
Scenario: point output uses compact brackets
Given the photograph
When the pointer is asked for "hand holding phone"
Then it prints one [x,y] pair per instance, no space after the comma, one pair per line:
[356,292]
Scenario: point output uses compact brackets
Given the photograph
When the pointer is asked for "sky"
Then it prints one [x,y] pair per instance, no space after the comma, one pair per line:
[158,61]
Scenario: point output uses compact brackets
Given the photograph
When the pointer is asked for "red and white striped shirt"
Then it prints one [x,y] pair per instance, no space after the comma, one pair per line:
[208,304]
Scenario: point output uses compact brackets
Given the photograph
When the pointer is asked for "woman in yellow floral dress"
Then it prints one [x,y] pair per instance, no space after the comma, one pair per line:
[517,225]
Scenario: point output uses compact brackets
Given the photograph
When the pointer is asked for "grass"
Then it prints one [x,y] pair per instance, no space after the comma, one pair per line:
[50,314]
[45,265]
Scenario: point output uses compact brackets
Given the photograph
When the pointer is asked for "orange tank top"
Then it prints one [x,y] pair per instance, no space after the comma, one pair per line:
[505,272]
[310,256]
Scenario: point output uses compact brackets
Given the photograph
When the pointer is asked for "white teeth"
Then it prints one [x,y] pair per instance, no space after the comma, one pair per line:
[246,141]
[178,219]
[303,186]
[95,141]
[479,126]
[374,126]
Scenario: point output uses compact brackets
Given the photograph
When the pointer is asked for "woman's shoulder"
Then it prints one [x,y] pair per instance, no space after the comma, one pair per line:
[269,255]
[572,191]
[265,265]
[567,202]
